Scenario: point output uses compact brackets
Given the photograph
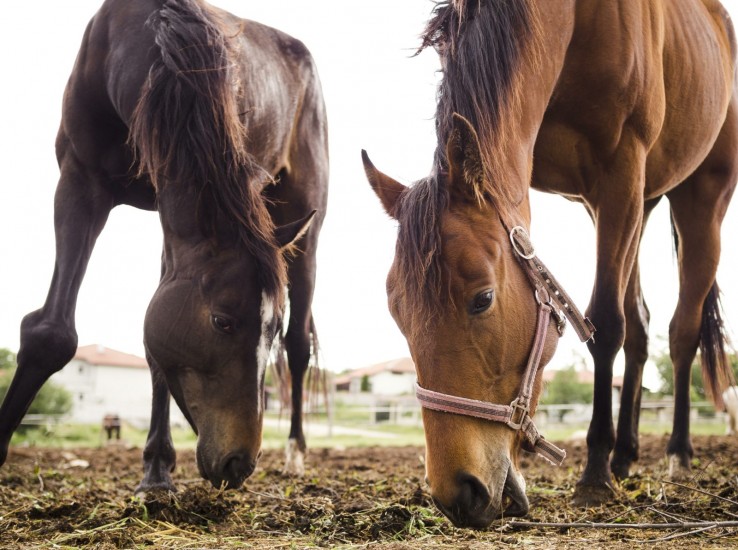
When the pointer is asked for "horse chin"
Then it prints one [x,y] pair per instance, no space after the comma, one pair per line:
[515,501]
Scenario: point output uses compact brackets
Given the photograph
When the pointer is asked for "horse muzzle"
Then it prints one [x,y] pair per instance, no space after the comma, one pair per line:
[474,505]
[230,471]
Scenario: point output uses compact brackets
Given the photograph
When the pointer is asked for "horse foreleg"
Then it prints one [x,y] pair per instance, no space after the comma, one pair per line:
[299,343]
[159,456]
[618,222]
[636,354]
[48,335]
[637,318]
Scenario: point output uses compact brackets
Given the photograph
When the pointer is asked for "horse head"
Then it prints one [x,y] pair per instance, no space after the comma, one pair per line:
[467,309]
[209,329]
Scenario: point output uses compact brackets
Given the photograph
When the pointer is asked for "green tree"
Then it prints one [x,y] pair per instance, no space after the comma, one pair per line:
[565,387]
[51,399]
[697,386]
[366,384]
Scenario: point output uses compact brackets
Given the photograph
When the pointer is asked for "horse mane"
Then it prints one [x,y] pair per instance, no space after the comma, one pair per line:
[186,130]
[481,44]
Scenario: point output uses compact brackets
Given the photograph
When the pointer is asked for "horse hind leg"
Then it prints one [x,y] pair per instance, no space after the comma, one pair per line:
[48,335]
[698,207]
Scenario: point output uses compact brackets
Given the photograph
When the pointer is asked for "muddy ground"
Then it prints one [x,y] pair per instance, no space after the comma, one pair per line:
[371,497]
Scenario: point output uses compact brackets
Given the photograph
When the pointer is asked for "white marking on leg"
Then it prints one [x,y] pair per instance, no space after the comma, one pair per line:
[294,459]
[677,471]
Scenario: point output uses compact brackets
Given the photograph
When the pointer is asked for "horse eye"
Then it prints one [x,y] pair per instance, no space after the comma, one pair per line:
[482,301]
[223,324]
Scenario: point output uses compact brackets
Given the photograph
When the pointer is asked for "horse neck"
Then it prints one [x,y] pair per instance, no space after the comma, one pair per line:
[186,246]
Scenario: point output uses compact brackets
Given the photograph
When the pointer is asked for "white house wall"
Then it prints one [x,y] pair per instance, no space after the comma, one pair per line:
[100,390]
[387,383]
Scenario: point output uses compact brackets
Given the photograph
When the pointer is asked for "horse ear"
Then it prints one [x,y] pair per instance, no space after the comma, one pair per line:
[387,189]
[465,173]
[287,235]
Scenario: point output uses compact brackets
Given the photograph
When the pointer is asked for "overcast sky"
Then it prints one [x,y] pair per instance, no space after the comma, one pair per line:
[379,97]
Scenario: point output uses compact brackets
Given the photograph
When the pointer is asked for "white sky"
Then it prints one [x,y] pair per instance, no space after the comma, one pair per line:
[379,98]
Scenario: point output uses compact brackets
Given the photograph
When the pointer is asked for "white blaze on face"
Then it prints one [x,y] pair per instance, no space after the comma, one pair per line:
[265,342]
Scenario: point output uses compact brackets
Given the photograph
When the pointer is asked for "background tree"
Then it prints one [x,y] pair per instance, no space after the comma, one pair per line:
[565,387]
[51,399]
[697,386]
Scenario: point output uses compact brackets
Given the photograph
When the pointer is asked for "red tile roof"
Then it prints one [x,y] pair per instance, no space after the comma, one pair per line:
[105,357]
[395,366]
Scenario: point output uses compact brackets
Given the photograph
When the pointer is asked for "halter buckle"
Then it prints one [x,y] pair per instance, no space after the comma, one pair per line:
[558,315]
[559,318]
[517,408]
[521,243]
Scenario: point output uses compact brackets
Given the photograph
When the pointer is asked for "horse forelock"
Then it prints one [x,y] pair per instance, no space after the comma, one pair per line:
[482,45]
[186,130]
[420,286]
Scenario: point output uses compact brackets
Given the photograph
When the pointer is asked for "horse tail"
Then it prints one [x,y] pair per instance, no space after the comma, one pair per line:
[316,377]
[315,381]
[280,370]
[717,373]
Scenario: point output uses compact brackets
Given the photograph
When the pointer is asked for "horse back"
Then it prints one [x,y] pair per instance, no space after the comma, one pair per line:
[274,74]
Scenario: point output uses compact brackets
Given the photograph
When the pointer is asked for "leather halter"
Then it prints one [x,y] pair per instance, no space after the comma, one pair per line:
[548,294]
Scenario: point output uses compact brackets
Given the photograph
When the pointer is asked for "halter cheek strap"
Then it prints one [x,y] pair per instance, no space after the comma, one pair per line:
[516,415]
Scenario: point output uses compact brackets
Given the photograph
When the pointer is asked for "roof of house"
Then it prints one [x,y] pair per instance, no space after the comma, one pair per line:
[101,356]
[403,365]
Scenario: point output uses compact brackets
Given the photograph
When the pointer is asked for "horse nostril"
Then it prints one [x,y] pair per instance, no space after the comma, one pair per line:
[473,495]
[471,508]
[236,468]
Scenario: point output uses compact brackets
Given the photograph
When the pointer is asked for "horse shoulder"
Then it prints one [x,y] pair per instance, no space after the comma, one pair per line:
[100,94]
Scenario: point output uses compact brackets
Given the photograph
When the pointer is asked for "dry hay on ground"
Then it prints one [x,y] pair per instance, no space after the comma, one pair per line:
[371,497]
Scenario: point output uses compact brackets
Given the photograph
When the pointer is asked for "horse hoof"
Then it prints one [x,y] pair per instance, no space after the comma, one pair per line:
[621,470]
[679,468]
[145,489]
[587,496]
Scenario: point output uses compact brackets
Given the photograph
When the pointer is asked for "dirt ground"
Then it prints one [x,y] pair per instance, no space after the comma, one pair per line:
[372,497]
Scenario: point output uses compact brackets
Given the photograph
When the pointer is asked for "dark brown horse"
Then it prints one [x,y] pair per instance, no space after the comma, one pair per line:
[613,104]
[217,123]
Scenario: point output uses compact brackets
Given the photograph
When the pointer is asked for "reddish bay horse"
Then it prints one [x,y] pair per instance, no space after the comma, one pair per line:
[217,123]
[612,104]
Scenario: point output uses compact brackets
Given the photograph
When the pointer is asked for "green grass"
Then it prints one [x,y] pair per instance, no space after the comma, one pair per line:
[349,430]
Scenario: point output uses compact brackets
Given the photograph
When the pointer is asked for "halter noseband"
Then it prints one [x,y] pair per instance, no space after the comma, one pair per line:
[516,415]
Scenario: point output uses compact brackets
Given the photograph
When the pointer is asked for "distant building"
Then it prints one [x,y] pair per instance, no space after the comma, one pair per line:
[397,377]
[394,377]
[105,381]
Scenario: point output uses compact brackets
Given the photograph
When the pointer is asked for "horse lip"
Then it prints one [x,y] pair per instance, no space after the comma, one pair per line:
[519,501]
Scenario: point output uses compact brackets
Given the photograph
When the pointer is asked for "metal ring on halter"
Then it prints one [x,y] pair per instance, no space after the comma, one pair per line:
[539,301]
[516,247]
